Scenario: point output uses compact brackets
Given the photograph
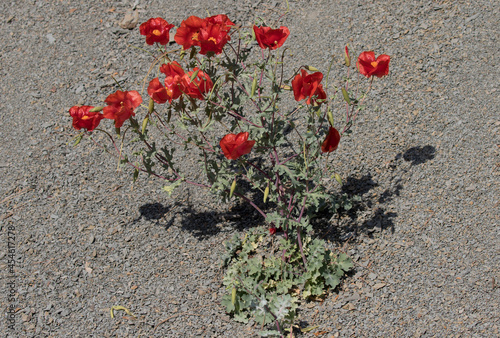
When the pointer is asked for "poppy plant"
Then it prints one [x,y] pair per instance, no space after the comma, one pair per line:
[233,146]
[200,85]
[271,38]
[331,141]
[308,86]
[211,33]
[369,66]
[172,69]
[121,106]
[158,92]
[187,33]
[84,118]
[212,38]
[156,30]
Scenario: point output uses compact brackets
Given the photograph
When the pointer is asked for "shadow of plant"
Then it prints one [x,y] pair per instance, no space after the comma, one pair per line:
[419,155]
[346,224]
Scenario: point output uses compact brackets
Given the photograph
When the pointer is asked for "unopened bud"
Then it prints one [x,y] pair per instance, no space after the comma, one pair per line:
[330,117]
[151,106]
[233,295]
[254,86]
[346,96]
[195,74]
[312,69]
[144,124]
[266,193]
[96,109]
[347,57]
[338,178]
[233,187]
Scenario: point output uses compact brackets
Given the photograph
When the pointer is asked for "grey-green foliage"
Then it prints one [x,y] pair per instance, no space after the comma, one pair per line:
[267,286]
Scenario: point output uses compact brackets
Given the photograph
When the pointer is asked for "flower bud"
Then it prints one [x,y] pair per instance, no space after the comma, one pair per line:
[233,295]
[195,74]
[346,96]
[330,117]
[266,193]
[96,109]
[144,124]
[312,69]
[233,187]
[254,86]
[347,57]
[151,105]
[338,178]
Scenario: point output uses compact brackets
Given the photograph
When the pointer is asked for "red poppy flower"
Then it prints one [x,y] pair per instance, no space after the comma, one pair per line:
[272,231]
[83,118]
[172,69]
[221,20]
[271,38]
[121,106]
[156,30]
[212,38]
[368,65]
[233,146]
[158,92]
[187,33]
[201,84]
[331,141]
[308,85]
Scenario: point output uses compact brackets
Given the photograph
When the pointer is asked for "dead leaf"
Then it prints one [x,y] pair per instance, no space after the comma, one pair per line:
[133,287]
[319,333]
[72,10]
[379,286]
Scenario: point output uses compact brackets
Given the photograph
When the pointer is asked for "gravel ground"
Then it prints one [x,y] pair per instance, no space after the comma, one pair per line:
[425,159]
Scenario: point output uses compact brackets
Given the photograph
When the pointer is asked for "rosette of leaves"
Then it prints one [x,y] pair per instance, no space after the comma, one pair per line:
[266,278]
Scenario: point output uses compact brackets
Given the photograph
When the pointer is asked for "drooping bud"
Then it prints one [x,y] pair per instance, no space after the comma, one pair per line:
[136,174]
[312,69]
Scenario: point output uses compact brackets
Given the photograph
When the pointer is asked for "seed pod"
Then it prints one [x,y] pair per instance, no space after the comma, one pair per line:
[346,96]
[233,186]
[266,193]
